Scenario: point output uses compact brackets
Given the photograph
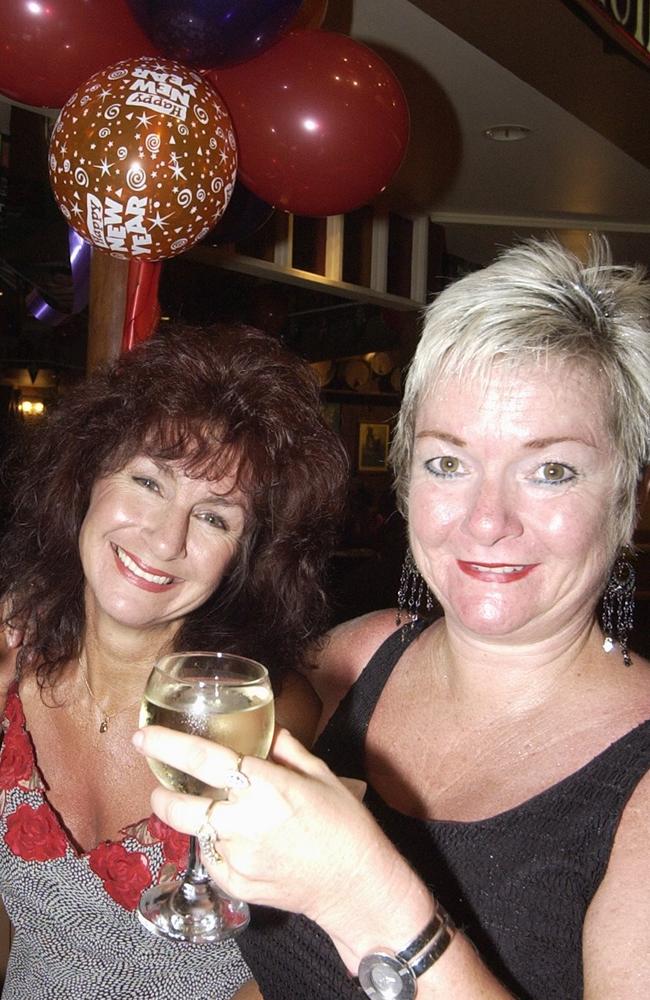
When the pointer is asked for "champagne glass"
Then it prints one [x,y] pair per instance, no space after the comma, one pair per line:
[227,699]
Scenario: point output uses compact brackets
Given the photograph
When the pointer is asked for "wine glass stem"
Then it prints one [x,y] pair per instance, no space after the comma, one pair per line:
[196,873]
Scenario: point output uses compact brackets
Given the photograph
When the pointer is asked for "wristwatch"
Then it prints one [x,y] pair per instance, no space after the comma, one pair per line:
[384,975]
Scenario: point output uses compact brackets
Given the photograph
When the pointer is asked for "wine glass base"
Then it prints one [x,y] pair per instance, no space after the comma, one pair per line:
[166,911]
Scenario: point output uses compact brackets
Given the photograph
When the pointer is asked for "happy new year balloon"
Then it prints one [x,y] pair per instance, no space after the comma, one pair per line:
[143,159]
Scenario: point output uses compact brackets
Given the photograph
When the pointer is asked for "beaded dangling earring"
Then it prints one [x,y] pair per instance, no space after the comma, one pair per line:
[412,590]
[618,606]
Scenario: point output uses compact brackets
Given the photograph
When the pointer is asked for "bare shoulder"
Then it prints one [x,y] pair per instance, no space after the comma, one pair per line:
[298,707]
[622,970]
[343,654]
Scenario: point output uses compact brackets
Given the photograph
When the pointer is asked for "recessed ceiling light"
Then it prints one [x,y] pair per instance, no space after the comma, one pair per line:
[506,133]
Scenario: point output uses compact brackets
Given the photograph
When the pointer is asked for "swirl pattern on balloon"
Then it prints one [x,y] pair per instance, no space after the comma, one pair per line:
[143,159]
[136,177]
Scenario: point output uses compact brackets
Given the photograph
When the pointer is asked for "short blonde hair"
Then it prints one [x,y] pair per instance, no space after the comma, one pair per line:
[539,302]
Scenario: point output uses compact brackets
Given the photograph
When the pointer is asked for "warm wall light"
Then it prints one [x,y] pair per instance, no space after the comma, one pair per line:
[31,407]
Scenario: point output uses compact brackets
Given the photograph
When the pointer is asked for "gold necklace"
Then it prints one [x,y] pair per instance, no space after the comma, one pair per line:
[105,717]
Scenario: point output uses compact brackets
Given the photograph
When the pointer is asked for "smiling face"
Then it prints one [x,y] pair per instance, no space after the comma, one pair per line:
[155,544]
[510,500]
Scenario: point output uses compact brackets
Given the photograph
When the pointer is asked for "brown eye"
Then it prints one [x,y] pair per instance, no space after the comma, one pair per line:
[449,464]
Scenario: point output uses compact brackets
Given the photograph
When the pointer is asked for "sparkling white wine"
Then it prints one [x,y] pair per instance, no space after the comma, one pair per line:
[241,718]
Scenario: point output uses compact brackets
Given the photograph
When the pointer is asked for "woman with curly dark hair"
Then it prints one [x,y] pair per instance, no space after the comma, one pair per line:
[184,497]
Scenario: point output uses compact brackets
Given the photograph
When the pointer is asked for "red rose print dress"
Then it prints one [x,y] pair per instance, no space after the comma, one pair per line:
[76,935]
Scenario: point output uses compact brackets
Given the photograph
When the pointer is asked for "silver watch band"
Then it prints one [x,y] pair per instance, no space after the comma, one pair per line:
[384,975]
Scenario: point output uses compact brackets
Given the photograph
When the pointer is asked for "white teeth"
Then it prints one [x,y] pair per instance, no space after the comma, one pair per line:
[496,569]
[135,569]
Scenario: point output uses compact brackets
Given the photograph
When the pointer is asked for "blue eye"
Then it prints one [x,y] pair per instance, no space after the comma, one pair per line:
[555,473]
[445,466]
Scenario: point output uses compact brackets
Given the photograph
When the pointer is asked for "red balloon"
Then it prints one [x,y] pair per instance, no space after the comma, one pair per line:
[143,159]
[311,15]
[322,122]
[50,47]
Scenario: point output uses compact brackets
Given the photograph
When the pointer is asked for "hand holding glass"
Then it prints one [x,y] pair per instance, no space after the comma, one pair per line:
[227,699]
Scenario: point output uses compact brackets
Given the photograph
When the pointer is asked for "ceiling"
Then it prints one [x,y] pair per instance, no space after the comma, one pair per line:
[472,64]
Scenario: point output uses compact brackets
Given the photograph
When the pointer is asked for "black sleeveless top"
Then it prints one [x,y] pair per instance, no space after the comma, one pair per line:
[518,883]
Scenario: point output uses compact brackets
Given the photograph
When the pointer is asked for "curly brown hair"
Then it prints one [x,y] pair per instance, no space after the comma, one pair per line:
[204,397]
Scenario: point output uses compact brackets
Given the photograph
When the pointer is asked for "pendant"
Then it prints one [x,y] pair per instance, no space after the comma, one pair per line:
[104,724]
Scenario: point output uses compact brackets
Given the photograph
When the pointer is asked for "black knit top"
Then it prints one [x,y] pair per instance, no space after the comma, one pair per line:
[519,883]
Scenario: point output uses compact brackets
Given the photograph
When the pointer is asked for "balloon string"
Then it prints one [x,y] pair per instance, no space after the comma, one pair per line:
[79,254]
[142,309]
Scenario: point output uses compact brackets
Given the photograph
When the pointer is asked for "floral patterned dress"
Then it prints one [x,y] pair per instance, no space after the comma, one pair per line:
[76,935]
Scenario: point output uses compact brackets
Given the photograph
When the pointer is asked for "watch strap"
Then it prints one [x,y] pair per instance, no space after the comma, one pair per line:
[386,975]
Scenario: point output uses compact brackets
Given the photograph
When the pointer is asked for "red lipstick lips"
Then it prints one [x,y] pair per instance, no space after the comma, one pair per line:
[496,572]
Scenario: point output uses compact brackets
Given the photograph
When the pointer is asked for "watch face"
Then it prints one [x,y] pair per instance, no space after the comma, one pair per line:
[384,977]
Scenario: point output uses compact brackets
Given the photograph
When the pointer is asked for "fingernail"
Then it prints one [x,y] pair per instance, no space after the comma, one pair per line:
[138,739]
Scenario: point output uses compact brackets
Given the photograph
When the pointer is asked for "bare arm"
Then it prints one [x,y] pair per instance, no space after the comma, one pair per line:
[250,991]
[616,938]
[277,840]
[8,648]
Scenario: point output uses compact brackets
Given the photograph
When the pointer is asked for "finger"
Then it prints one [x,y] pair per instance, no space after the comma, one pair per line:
[209,762]
[188,813]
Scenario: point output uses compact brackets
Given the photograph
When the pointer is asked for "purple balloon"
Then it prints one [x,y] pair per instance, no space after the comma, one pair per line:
[211,33]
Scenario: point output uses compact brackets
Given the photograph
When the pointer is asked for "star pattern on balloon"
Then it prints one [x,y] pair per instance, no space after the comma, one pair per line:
[143,159]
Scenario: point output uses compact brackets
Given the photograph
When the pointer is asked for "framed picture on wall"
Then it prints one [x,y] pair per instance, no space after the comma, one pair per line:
[331,413]
[373,447]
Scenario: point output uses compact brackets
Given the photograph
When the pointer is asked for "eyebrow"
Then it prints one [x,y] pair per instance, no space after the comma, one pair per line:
[535,444]
[224,499]
[442,436]
[538,443]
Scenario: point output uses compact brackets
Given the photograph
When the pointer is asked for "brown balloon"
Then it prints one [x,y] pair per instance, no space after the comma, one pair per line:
[143,159]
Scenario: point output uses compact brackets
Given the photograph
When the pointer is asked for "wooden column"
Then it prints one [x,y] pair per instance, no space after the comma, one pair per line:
[108,283]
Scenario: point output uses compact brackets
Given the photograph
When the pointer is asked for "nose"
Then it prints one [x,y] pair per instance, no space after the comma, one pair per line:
[492,513]
[166,533]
